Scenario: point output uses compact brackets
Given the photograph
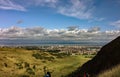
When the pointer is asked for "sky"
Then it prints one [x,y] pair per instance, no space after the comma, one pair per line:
[63,19]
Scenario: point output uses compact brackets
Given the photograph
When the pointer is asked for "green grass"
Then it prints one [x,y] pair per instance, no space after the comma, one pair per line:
[18,62]
[114,72]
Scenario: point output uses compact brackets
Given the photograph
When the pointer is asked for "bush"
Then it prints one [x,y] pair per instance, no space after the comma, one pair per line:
[27,65]
[24,76]
[19,65]
[30,71]
[60,55]
[54,51]
[5,64]
[38,56]
[32,48]
[34,67]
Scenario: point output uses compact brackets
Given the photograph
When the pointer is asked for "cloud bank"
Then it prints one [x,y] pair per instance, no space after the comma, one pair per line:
[72,33]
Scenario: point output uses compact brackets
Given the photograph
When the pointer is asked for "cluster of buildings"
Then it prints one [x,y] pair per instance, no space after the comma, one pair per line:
[72,49]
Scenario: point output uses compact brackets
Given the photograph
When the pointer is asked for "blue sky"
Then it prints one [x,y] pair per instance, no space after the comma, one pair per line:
[49,14]
[60,14]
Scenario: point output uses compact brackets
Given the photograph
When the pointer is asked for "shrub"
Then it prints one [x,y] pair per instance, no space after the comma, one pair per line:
[5,64]
[30,71]
[38,56]
[19,65]
[24,76]
[54,51]
[34,67]
[32,48]
[26,65]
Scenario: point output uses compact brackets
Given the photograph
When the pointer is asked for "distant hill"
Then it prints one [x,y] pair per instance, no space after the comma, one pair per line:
[107,58]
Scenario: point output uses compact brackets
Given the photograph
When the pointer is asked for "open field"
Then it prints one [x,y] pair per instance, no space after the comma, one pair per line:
[19,62]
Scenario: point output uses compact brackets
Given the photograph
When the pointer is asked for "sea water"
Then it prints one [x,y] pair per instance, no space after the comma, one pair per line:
[32,42]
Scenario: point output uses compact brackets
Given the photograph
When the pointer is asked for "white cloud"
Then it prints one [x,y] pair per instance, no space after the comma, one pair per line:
[96,19]
[46,3]
[95,29]
[99,19]
[72,28]
[116,23]
[92,34]
[9,5]
[19,21]
[81,9]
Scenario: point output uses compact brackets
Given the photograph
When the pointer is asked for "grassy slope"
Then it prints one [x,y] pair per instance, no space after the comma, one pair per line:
[114,72]
[58,66]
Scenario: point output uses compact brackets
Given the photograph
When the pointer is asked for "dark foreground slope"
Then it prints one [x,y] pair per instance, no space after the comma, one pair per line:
[107,57]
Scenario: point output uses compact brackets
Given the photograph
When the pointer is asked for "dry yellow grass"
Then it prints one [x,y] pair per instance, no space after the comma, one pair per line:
[59,66]
[114,72]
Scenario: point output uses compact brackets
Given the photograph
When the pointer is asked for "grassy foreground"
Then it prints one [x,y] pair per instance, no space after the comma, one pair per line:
[114,72]
[19,62]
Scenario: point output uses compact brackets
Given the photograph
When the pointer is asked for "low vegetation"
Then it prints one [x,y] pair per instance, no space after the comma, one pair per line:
[114,72]
[21,62]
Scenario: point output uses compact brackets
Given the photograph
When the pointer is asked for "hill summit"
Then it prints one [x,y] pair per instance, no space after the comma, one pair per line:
[106,58]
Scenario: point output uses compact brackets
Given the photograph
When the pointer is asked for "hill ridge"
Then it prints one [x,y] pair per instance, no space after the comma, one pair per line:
[106,58]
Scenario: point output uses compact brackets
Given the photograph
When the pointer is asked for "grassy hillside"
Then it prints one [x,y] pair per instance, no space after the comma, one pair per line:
[19,62]
[114,72]
[107,58]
